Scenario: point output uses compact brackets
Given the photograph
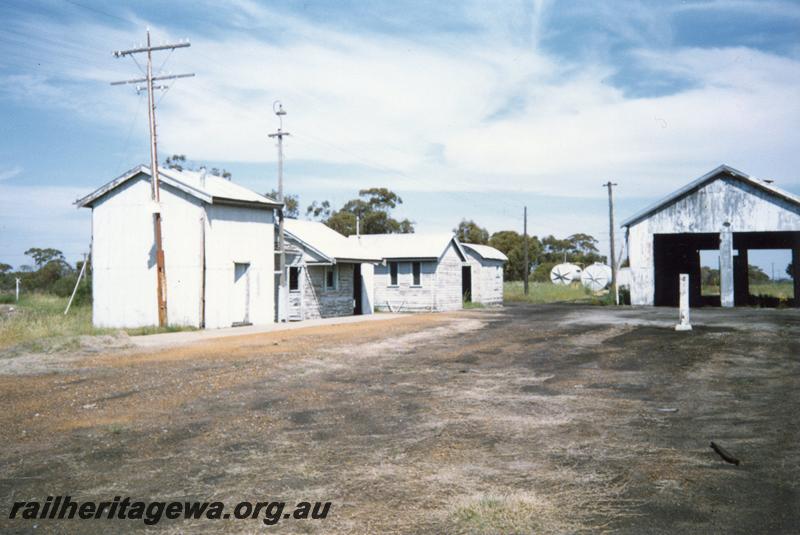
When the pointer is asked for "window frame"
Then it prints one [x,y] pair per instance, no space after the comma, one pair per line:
[394,274]
[333,270]
[416,274]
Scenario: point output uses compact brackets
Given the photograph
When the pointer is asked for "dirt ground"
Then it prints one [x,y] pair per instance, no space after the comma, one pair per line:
[528,419]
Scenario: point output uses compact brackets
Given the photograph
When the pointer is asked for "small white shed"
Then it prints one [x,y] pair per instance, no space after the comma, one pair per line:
[486,273]
[218,249]
[418,272]
[328,274]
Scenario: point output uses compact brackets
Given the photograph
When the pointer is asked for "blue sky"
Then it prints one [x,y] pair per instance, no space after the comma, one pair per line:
[466,109]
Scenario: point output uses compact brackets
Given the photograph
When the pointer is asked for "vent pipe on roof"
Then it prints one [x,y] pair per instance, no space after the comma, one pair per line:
[358,226]
[203,176]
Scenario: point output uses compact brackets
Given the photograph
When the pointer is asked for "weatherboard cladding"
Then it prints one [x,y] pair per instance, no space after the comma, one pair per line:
[716,199]
[312,300]
[439,288]
[487,276]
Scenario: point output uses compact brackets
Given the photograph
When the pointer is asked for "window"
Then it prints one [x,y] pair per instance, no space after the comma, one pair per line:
[392,273]
[416,271]
[331,281]
[294,279]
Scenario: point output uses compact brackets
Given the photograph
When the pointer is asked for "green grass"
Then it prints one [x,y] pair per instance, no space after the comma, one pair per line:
[779,289]
[40,317]
[545,292]
[472,304]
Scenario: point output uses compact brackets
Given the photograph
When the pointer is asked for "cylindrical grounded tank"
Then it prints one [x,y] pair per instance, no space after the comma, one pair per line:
[596,277]
[565,274]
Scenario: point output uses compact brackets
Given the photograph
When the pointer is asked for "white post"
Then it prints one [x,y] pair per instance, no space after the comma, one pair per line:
[726,265]
[17,289]
[75,290]
[684,324]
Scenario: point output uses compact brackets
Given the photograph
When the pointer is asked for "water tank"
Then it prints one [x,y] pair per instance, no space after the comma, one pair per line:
[565,273]
[596,277]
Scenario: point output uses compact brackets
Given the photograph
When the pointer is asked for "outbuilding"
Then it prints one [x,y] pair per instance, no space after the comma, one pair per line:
[418,272]
[329,275]
[724,210]
[217,239]
[486,274]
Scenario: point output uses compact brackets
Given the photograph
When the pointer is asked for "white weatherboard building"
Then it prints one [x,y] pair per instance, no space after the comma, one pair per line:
[418,272]
[328,275]
[724,210]
[218,247]
[486,274]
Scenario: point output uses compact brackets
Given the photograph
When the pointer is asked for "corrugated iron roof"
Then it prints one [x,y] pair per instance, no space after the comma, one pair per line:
[212,189]
[693,186]
[408,246]
[486,252]
[327,242]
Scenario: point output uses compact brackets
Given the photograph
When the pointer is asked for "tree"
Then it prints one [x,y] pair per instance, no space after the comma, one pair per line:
[176,161]
[372,209]
[4,268]
[291,204]
[41,257]
[790,270]
[180,163]
[319,211]
[578,248]
[470,232]
[512,244]
[756,274]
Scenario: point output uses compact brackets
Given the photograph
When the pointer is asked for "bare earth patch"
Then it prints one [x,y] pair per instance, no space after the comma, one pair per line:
[520,420]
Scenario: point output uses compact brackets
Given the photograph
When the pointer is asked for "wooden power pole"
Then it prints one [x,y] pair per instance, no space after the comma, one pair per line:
[527,252]
[283,293]
[151,116]
[610,185]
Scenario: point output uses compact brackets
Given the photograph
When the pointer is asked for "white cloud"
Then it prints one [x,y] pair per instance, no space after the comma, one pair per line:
[501,113]
[11,172]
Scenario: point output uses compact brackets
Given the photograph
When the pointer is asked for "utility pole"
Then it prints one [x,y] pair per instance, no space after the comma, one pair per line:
[614,288]
[283,294]
[151,116]
[527,253]
[16,291]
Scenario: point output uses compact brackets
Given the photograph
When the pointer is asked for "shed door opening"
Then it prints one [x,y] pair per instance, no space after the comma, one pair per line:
[241,294]
[466,283]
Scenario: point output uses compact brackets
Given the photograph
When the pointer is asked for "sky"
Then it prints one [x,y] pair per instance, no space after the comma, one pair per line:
[465,109]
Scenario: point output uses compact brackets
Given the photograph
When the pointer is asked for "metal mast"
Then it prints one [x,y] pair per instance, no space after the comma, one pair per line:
[151,116]
[283,294]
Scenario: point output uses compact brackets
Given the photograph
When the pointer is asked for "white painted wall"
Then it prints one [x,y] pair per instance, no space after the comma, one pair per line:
[123,258]
[124,266]
[367,289]
[487,279]
[239,235]
[745,207]
[439,289]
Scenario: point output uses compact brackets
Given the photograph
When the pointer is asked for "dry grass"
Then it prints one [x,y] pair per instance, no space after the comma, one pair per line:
[545,292]
[38,322]
[38,316]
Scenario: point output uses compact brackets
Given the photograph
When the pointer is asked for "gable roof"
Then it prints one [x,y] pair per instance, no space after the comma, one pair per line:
[212,190]
[326,242]
[720,172]
[409,246]
[486,252]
